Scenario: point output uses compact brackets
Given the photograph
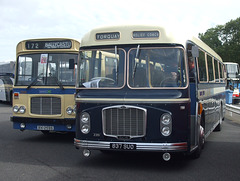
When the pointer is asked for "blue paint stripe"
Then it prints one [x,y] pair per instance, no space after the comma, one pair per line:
[33,126]
[44,91]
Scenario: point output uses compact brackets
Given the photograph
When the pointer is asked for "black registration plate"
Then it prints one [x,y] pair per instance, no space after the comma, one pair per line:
[122,146]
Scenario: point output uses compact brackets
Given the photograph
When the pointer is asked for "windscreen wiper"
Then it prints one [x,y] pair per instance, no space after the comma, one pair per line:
[34,81]
[58,83]
[135,65]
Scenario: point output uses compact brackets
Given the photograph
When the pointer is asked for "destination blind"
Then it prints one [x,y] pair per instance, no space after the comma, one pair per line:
[34,45]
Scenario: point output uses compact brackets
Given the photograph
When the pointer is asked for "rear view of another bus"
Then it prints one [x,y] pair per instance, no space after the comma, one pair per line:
[232,70]
[43,93]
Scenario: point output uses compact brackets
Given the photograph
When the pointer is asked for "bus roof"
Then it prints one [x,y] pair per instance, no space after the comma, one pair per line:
[22,47]
[139,34]
[233,63]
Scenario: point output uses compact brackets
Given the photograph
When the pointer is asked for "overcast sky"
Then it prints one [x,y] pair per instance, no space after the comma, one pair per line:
[27,19]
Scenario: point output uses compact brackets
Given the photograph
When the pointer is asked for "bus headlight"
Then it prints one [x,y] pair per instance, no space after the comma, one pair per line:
[69,110]
[85,123]
[22,109]
[15,109]
[166,124]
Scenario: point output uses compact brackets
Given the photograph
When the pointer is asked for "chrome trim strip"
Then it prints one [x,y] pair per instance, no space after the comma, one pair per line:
[124,101]
[182,146]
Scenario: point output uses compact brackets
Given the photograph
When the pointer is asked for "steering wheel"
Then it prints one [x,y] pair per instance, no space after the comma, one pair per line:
[103,81]
[168,81]
[103,78]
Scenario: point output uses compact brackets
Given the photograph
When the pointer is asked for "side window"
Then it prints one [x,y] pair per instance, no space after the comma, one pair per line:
[202,72]
[217,78]
[191,63]
[24,68]
[221,72]
[210,68]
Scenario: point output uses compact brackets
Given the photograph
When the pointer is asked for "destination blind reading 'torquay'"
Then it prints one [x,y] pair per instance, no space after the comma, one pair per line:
[108,36]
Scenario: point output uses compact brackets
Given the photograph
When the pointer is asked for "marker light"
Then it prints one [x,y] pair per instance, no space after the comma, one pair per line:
[22,125]
[69,126]
[86,152]
[16,95]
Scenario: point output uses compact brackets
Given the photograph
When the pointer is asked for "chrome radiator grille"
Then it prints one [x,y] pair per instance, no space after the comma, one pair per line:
[124,121]
[46,105]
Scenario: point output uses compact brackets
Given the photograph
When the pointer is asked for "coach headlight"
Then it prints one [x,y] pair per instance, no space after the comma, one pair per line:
[85,123]
[15,109]
[22,109]
[166,124]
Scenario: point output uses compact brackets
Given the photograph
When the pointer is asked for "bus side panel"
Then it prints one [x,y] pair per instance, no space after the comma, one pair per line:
[212,99]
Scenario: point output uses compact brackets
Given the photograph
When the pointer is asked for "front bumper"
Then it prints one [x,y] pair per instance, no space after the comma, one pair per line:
[38,124]
[105,145]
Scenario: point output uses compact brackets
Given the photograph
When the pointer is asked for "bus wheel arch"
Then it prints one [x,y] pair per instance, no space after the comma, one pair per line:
[202,130]
[202,120]
[201,138]
[221,118]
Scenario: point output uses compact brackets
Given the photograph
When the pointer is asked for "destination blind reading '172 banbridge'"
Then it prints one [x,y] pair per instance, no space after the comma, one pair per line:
[31,45]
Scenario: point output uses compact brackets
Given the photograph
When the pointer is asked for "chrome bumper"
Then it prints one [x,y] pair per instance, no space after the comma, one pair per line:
[104,145]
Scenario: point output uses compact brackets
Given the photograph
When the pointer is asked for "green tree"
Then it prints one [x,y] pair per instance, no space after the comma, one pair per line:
[225,40]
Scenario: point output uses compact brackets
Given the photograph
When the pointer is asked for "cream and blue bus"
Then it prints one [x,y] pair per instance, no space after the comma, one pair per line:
[143,89]
[43,92]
